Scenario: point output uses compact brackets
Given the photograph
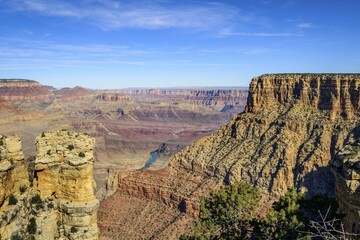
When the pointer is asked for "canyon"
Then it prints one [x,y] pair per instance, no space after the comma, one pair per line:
[295,130]
[128,124]
[290,132]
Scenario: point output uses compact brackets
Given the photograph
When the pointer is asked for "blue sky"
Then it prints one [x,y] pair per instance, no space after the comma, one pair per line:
[164,43]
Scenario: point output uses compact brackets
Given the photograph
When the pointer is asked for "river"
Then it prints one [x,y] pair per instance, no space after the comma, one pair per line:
[153,157]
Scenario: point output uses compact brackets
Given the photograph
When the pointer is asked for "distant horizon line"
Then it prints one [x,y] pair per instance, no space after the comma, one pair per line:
[128,88]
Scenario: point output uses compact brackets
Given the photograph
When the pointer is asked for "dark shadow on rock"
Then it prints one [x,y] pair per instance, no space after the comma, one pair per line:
[182,206]
[320,181]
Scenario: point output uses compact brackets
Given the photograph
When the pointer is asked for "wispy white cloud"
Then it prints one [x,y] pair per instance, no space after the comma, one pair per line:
[110,14]
[226,32]
[306,25]
[258,51]
[49,8]
[26,54]
[34,49]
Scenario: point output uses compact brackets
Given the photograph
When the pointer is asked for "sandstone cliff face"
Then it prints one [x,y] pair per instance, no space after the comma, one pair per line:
[294,124]
[152,205]
[13,177]
[55,191]
[338,94]
[346,166]
[10,113]
[216,98]
[64,175]
[18,83]
[291,128]
[23,90]
[71,95]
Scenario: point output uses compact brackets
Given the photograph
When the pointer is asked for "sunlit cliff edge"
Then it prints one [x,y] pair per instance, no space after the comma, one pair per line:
[51,196]
[292,128]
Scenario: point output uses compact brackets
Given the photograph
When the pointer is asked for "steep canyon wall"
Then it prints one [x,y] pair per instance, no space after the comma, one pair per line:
[51,196]
[293,126]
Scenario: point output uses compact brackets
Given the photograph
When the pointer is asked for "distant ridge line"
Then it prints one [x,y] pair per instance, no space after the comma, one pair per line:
[309,74]
[16,80]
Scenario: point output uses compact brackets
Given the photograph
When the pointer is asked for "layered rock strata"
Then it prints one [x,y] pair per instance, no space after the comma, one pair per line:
[18,83]
[52,196]
[346,166]
[23,90]
[64,175]
[292,127]
[13,183]
[153,204]
[217,98]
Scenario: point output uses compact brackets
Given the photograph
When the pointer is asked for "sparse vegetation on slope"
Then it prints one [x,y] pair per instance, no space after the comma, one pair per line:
[231,213]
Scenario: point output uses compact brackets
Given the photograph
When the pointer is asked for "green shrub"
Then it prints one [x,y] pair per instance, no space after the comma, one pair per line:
[48,152]
[289,217]
[12,200]
[22,189]
[73,229]
[4,217]
[285,220]
[39,206]
[36,199]
[227,213]
[70,147]
[50,205]
[31,169]
[230,213]
[42,134]
[31,227]
[81,154]
[16,237]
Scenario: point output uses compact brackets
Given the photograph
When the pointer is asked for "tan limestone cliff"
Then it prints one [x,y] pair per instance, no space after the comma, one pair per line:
[55,191]
[334,94]
[23,90]
[13,177]
[292,126]
[18,83]
[64,176]
[346,166]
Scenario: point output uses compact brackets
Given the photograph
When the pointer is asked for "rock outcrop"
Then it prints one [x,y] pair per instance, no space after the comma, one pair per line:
[216,98]
[51,196]
[346,166]
[18,83]
[293,125]
[64,175]
[13,183]
[331,94]
[68,95]
[152,205]
[23,90]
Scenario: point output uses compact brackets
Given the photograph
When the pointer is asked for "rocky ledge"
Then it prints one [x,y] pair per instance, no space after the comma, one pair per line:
[332,94]
[286,136]
[293,126]
[346,166]
[18,83]
[51,196]
[23,90]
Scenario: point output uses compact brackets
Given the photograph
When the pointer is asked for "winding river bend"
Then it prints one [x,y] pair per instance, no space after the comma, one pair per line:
[153,157]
